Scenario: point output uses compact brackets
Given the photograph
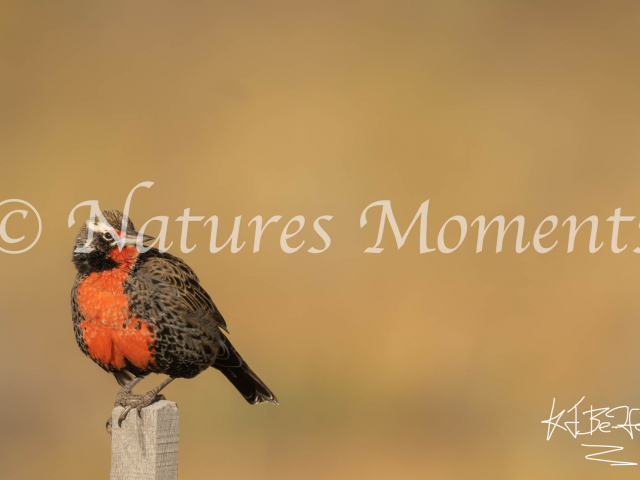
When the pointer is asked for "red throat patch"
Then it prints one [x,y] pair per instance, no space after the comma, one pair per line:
[110,333]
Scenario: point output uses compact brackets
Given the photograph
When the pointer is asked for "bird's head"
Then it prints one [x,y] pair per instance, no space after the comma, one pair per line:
[106,241]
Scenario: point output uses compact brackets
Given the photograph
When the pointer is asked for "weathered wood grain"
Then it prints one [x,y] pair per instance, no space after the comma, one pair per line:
[145,448]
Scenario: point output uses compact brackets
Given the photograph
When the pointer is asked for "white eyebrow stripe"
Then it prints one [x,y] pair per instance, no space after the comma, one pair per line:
[99,227]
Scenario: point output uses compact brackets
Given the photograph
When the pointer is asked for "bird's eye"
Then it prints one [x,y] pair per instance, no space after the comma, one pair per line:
[109,236]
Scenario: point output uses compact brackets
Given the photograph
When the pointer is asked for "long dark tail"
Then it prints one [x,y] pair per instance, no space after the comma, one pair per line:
[231,364]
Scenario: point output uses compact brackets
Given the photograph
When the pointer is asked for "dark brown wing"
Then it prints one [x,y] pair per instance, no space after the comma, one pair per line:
[169,271]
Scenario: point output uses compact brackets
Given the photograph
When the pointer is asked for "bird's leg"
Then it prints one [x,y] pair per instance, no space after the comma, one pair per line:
[124,397]
[140,401]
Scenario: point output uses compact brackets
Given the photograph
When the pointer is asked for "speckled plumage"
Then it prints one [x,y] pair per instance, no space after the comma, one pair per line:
[139,313]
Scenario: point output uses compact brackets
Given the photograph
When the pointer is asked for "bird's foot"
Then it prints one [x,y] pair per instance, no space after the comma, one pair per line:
[125,398]
[138,402]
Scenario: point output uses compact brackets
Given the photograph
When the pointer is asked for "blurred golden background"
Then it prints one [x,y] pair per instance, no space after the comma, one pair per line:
[397,365]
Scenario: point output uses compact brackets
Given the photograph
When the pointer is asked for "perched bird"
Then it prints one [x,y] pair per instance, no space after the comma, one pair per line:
[136,313]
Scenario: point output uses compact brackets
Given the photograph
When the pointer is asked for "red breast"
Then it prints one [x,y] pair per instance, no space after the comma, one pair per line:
[110,334]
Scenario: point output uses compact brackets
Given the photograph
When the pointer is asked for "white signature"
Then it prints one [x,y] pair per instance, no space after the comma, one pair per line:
[604,420]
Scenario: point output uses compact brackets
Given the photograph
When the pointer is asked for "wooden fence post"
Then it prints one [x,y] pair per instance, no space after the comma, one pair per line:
[145,448]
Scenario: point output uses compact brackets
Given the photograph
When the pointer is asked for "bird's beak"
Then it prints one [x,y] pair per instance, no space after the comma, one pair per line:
[131,238]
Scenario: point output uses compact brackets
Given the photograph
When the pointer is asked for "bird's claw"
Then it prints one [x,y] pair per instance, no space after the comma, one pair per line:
[123,415]
[125,397]
[138,402]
